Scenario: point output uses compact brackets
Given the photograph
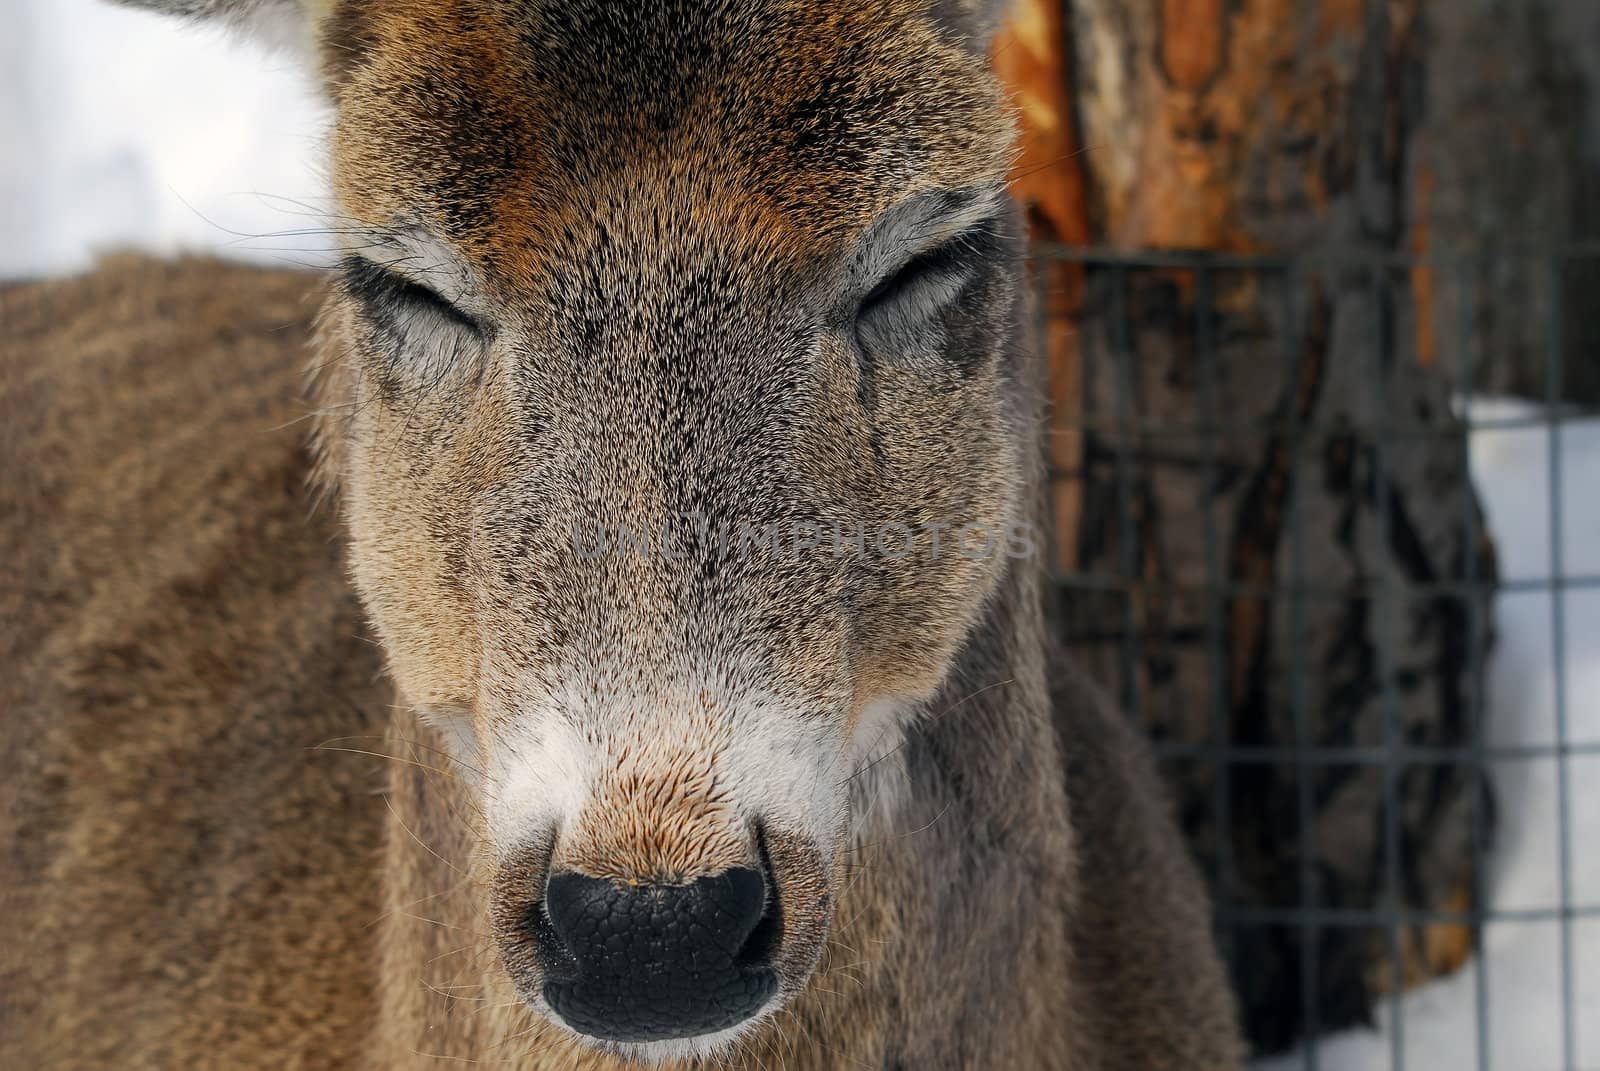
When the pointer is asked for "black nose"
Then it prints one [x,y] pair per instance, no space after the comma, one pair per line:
[654,962]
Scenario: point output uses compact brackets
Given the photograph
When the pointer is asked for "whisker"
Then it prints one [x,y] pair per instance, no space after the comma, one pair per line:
[418,840]
[380,755]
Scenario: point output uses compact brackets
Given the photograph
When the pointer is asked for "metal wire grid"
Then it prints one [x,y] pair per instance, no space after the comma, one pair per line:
[1127,432]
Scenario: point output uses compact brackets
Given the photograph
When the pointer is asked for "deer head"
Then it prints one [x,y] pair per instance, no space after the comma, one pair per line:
[669,389]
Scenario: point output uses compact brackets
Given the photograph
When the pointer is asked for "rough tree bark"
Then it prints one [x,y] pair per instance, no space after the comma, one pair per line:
[1509,162]
[1227,425]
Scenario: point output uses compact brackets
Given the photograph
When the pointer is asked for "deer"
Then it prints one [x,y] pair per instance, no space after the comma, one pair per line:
[642,660]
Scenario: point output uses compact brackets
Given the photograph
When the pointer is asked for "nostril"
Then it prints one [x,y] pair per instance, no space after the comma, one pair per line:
[555,955]
[762,942]
[649,962]
[738,900]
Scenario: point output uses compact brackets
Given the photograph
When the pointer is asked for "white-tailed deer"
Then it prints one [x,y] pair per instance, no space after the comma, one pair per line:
[684,450]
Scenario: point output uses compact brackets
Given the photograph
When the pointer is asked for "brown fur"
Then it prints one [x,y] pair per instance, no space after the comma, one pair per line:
[642,204]
[196,873]
[186,880]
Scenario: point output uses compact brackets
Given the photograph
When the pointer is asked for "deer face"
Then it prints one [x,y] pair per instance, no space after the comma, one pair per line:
[668,388]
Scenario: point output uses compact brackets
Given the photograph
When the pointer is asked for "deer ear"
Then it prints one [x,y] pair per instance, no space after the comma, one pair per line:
[973,21]
[283,23]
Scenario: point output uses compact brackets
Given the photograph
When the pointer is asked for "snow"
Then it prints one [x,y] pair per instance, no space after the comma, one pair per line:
[1522,972]
[118,129]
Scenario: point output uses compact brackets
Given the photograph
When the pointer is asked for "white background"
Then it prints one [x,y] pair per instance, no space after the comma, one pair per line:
[119,128]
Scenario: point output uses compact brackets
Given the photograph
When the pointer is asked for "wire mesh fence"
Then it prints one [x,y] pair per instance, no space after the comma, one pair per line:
[1269,546]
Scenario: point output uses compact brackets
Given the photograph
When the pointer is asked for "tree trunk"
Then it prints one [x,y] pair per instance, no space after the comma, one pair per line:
[1510,162]
[1271,541]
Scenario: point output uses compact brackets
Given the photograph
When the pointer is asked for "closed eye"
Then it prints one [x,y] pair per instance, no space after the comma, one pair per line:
[385,293]
[946,262]
[899,306]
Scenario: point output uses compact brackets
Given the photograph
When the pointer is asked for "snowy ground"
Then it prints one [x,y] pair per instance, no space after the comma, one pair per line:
[119,130]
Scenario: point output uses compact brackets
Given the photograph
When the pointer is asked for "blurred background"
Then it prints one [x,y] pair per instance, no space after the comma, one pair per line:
[1319,285]
[120,129]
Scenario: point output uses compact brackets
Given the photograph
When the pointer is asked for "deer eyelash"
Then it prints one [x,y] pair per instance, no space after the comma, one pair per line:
[950,260]
[380,288]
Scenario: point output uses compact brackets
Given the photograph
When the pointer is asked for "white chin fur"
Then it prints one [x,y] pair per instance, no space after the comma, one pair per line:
[706,1047]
